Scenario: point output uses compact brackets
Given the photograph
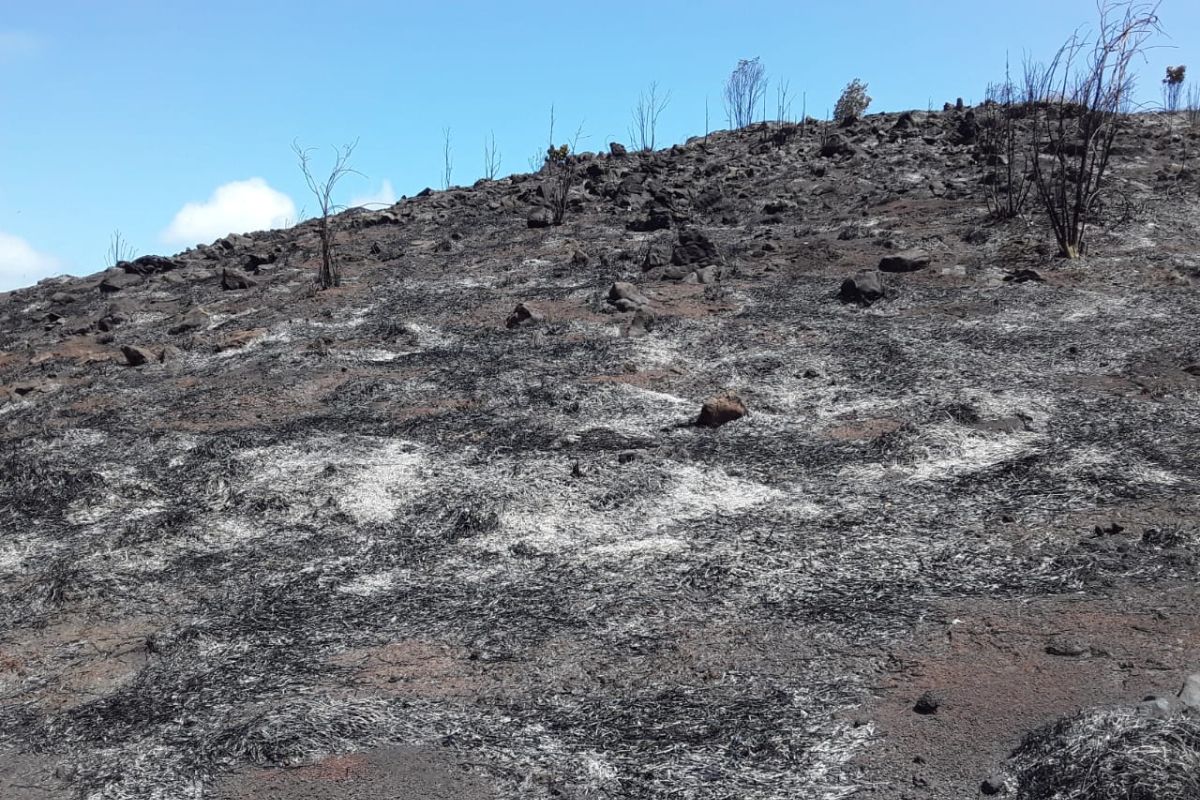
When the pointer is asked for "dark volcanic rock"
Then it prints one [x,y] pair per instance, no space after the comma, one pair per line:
[626,296]
[119,281]
[656,220]
[137,356]
[234,279]
[540,218]
[150,265]
[721,409]
[693,247]
[524,314]
[864,288]
[928,703]
[905,261]
[194,319]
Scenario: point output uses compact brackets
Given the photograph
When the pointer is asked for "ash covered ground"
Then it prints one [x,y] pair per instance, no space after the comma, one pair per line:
[396,539]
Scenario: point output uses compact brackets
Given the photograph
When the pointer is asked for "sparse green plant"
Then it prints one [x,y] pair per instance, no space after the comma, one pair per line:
[744,88]
[329,274]
[1172,87]
[853,102]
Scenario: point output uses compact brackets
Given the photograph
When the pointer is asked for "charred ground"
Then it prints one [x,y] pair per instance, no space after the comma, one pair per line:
[377,532]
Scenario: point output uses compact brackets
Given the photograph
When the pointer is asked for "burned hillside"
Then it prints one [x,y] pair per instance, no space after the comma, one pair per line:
[452,525]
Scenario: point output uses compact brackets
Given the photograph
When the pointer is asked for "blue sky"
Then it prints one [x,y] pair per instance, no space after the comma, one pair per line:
[173,121]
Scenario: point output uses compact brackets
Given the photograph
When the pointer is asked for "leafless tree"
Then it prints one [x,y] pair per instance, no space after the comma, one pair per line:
[1085,91]
[558,169]
[119,249]
[1003,148]
[329,273]
[447,158]
[744,88]
[783,106]
[491,158]
[1193,105]
[649,106]
[1172,87]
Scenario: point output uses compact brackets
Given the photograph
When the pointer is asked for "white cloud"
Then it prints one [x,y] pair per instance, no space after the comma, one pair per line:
[18,44]
[20,264]
[235,207]
[385,196]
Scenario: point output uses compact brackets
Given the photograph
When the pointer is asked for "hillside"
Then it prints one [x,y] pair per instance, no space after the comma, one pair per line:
[450,529]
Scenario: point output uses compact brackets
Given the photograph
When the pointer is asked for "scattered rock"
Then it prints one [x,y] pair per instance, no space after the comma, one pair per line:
[62,298]
[657,254]
[994,785]
[119,281]
[626,296]
[905,261]
[195,319]
[234,279]
[864,288]
[150,265]
[837,145]
[1024,276]
[1067,647]
[693,247]
[1157,707]
[656,220]
[1189,695]
[616,149]
[642,323]
[928,703]
[721,409]
[137,356]
[524,315]
[540,218]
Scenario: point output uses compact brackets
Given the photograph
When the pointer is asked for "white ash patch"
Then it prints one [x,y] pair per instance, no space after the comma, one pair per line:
[950,451]
[367,477]
[370,584]
[646,524]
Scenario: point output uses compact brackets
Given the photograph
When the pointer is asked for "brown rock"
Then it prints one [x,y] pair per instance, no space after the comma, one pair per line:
[721,409]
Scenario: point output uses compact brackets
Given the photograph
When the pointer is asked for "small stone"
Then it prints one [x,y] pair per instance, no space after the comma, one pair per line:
[864,288]
[194,319]
[1189,695]
[721,409]
[993,785]
[626,296]
[233,279]
[905,261]
[137,356]
[524,314]
[616,149]
[540,218]
[928,703]
[1066,647]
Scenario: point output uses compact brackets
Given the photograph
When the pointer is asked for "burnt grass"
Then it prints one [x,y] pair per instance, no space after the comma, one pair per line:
[623,604]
